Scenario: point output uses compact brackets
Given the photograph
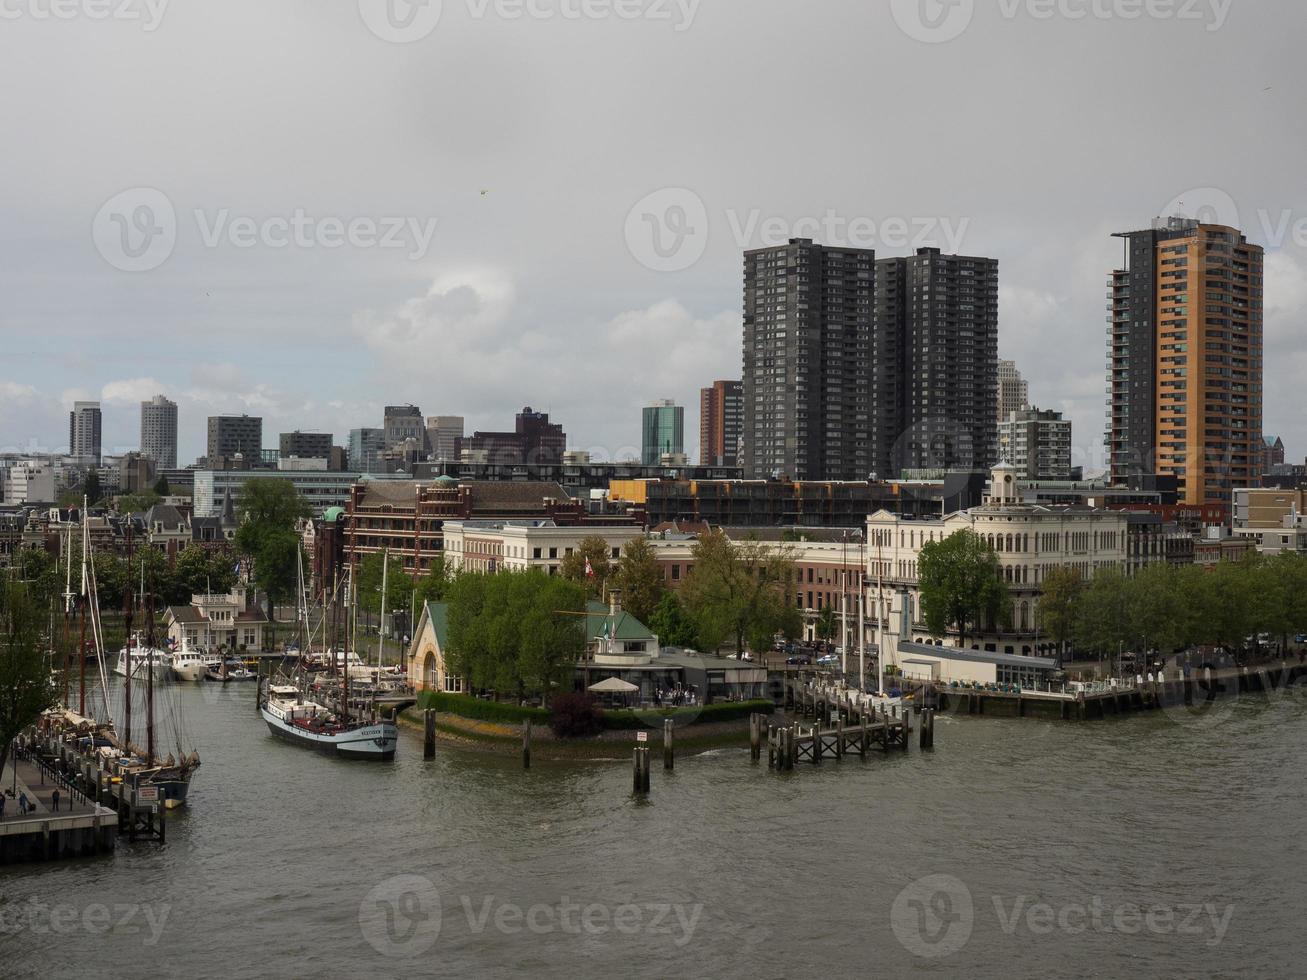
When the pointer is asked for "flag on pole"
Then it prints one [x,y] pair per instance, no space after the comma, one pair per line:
[589,572]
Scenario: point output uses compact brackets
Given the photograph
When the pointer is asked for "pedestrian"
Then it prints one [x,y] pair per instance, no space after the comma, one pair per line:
[54,800]
[22,804]
[2,805]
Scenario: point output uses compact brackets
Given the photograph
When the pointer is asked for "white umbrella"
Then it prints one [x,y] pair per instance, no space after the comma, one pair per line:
[614,685]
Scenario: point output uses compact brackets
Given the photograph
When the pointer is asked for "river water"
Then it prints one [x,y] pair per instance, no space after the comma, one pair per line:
[1168,844]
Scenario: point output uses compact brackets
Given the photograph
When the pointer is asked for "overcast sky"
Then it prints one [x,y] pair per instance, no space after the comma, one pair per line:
[177,187]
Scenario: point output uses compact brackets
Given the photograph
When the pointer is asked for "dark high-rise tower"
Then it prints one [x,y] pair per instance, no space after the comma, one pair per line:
[233,434]
[936,355]
[1185,358]
[808,361]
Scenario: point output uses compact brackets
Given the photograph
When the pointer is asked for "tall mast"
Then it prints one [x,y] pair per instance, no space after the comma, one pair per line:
[81,684]
[880,626]
[66,546]
[129,605]
[381,631]
[340,607]
[148,602]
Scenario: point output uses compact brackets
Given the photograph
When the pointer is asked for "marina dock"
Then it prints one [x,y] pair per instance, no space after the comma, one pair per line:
[1169,690]
[78,828]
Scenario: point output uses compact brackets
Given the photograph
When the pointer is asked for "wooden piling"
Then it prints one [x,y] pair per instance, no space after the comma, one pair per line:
[640,774]
[526,744]
[862,745]
[755,737]
[839,737]
[669,757]
[429,733]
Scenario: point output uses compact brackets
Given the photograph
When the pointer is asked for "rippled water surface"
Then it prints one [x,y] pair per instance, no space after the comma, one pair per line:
[1158,845]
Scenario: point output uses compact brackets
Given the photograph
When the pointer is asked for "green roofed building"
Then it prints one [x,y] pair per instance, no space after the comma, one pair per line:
[426,654]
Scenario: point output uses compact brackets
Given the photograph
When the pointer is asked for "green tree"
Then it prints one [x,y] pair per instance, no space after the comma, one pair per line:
[672,624]
[268,510]
[1157,609]
[961,585]
[399,584]
[741,590]
[1103,621]
[512,632]
[431,586]
[1058,605]
[26,684]
[91,487]
[161,487]
[826,624]
[135,503]
[200,571]
[639,576]
[592,549]
[44,574]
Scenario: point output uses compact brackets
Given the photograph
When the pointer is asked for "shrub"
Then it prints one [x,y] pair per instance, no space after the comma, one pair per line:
[479,710]
[575,716]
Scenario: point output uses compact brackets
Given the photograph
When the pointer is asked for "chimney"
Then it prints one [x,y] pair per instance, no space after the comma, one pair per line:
[615,602]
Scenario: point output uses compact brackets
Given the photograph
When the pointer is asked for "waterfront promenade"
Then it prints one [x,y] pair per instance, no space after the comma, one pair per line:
[78,827]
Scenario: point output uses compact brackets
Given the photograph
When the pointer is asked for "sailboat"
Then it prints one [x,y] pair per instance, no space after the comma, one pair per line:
[170,774]
[292,715]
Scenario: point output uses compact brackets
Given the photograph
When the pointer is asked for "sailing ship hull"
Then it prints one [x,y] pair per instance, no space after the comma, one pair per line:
[369,742]
[172,792]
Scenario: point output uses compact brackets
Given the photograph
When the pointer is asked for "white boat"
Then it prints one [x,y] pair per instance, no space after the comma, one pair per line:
[142,659]
[190,665]
[291,716]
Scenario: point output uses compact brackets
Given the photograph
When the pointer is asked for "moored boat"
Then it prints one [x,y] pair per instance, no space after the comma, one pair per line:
[291,716]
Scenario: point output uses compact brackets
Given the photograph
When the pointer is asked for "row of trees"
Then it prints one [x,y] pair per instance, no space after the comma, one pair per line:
[194,570]
[1161,608]
[1165,608]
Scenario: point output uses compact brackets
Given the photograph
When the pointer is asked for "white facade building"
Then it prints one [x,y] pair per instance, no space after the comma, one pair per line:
[1031,541]
[29,482]
[487,546]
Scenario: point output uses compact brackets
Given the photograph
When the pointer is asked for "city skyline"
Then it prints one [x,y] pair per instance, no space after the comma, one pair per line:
[327,338]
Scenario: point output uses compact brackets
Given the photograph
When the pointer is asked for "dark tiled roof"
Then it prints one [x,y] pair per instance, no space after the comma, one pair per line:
[487,494]
[390,491]
[185,614]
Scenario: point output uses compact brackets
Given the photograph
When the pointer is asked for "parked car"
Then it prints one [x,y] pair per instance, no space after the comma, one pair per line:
[799,660]
[829,658]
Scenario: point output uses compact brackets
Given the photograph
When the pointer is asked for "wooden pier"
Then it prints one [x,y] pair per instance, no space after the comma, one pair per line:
[78,827]
[121,804]
[840,726]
